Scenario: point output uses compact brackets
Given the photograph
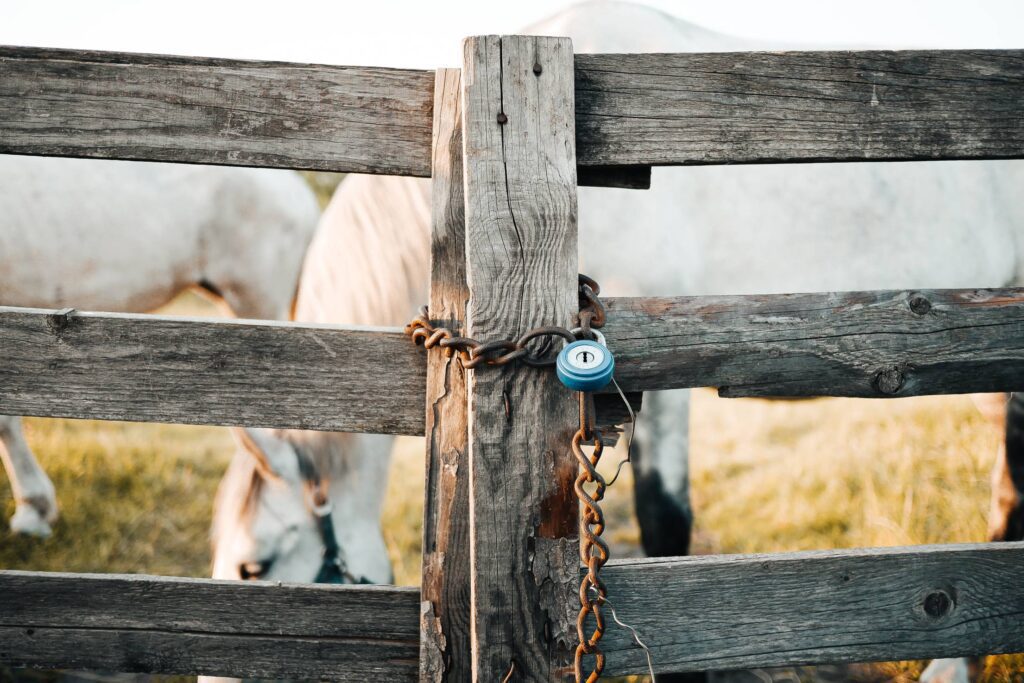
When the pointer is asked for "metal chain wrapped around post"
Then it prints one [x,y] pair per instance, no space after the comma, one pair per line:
[593,549]
[504,351]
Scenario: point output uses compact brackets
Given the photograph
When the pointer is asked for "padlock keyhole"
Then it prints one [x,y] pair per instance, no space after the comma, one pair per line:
[587,357]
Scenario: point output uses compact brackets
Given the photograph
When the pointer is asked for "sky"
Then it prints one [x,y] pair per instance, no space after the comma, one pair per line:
[428,33]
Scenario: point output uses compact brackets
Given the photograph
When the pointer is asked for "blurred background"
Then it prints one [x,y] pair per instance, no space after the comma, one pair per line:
[405,33]
[766,476]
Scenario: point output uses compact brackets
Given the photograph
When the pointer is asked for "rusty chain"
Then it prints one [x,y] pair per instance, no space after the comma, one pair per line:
[504,351]
[593,549]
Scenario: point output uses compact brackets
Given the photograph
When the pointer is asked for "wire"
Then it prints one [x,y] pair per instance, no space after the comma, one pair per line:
[636,636]
[629,440]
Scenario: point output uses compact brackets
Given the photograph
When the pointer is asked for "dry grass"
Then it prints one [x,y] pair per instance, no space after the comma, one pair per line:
[134,497]
[767,476]
[839,473]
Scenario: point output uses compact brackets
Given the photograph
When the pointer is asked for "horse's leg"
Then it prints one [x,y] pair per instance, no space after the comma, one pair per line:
[958,670]
[34,496]
[662,474]
[1006,515]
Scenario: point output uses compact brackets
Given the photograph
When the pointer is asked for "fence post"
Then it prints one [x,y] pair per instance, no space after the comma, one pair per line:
[444,606]
[521,265]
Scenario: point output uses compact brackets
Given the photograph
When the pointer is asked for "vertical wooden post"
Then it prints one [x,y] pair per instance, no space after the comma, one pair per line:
[521,265]
[444,607]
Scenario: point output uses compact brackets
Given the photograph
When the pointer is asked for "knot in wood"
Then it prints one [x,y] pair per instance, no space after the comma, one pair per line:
[889,380]
[937,604]
[919,304]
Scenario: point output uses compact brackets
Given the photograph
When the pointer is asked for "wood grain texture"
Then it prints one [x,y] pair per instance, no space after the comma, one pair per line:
[521,264]
[630,109]
[133,623]
[445,591]
[799,106]
[113,105]
[151,368]
[752,611]
[201,371]
[870,344]
[144,368]
[696,613]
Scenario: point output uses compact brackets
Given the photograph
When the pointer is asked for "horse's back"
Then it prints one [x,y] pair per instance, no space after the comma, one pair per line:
[787,227]
[125,236]
[368,263]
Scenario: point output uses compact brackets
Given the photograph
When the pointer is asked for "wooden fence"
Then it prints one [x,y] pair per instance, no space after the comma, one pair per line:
[501,566]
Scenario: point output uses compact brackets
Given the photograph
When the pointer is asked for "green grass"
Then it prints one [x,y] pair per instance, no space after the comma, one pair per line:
[767,476]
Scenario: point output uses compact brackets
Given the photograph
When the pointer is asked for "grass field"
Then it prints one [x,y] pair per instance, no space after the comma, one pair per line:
[767,476]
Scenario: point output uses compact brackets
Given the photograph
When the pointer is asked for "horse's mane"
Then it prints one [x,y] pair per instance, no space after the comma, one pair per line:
[236,495]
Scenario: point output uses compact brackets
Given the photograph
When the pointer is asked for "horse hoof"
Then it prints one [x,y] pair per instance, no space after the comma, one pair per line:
[29,522]
[946,671]
[44,500]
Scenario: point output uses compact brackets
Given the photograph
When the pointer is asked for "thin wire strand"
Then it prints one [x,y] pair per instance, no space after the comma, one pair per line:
[636,636]
[629,440]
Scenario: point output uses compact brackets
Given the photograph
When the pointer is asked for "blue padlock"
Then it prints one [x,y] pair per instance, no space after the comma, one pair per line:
[585,365]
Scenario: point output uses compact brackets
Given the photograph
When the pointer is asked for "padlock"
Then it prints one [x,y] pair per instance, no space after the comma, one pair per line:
[585,365]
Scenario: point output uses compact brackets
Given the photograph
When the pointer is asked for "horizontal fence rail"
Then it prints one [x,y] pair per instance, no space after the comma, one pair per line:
[880,344]
[112,366]
[114,105]
[155,624]
[631,110]
[221,372]
[228,372]
[752,611]
[695,613]
[758,107]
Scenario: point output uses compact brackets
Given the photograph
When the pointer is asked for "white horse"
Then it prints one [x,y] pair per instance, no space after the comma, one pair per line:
[365,265]
[129,236]
[698,230]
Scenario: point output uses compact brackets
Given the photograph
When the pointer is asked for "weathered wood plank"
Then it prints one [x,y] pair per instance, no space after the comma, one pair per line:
[799,106]
[631,109]
[151,368]
[112,105]
[445,590]
[131,623]
[215,111]
[696,613]
[521,264]
[111,366]
[868,344]
[751,611]
[202,371]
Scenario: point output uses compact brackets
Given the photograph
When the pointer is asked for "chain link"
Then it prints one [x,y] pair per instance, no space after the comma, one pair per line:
[505,351]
